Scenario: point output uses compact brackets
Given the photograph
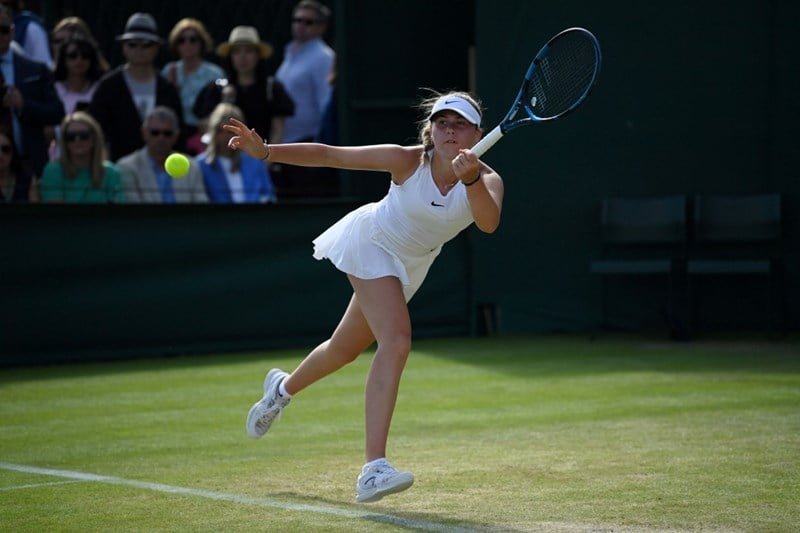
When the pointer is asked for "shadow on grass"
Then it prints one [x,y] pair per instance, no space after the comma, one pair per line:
[411,521]
[542,355]
[555,355]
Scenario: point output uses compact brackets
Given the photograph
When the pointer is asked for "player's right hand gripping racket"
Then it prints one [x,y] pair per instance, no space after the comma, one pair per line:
[559,79]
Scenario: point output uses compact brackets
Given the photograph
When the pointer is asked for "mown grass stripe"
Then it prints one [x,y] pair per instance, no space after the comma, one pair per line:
[420,525]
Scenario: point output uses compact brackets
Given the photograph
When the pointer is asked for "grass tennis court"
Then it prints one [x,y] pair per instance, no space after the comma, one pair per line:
[514,434]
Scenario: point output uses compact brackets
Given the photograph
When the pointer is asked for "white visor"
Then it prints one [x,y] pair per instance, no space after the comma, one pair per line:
[459,105]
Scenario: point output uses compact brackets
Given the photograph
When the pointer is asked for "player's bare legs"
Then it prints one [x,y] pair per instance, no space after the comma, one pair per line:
[383,304]
[377,311]
[351,337]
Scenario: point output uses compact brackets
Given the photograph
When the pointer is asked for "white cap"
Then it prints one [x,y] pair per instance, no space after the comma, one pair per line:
[459,105]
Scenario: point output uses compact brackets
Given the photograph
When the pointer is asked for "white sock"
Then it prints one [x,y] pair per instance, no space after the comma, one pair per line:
[375,462]
[282,390]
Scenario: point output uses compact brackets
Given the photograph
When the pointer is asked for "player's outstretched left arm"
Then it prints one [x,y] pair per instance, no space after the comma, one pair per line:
[397,160]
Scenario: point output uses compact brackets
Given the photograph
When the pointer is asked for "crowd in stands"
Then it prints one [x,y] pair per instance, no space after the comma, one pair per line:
[76,129]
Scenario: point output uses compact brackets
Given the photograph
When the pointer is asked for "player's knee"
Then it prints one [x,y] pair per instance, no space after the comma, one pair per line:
[398,343]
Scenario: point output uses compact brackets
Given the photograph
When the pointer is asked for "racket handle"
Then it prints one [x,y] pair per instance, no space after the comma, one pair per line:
[487,142]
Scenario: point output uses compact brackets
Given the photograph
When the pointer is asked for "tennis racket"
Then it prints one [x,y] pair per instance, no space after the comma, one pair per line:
[559,79]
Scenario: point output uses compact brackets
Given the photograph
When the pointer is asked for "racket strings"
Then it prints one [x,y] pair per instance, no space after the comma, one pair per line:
[563,76]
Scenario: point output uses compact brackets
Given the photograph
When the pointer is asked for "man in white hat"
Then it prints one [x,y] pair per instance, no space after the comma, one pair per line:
[126,95]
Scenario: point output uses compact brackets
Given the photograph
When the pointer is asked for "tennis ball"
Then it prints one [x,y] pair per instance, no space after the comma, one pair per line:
[177,165]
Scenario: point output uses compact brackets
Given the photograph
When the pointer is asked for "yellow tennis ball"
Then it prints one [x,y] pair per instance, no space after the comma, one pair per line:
[177,165]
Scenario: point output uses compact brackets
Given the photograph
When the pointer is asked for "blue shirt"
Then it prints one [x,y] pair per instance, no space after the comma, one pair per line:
[304,72]
[256,180]
[189,87]
[164,181]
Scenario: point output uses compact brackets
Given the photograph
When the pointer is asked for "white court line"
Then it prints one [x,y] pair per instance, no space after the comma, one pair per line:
[422,525]
[37,485]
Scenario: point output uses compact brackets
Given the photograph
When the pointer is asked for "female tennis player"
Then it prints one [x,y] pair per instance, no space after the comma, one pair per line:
[438,188]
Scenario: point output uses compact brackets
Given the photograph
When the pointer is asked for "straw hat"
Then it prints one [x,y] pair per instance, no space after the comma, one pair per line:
[246,35]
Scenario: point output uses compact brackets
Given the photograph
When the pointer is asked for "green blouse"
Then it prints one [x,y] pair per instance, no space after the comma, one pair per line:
[56,186]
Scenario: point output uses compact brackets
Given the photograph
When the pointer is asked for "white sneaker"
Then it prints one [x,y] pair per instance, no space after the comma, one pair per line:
[264,411]
[380,480]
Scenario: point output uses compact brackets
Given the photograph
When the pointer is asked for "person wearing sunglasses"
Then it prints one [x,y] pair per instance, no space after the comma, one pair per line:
[81,174]
[30,32]
[28,98]
[78,70]
[77,73]
[305,71]
[126,94]
[144,177]
[73,26]
[190,41]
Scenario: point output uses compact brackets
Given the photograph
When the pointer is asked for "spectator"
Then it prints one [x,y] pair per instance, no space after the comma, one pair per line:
[126,94]
[190,42]
[75,27]
[143,176]
[16,183]
[77,73]
[29,99]
[306,71]
[261,97]
[81,174]
[232,176]
[29,32]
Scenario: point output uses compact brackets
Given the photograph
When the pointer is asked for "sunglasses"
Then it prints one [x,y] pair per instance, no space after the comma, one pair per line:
[5,149]
[166,133]
[304,21]
[76,55]
[72,136]
[191,39]
[140,44]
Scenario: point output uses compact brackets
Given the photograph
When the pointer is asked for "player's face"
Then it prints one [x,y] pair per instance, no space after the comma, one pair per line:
[453,132]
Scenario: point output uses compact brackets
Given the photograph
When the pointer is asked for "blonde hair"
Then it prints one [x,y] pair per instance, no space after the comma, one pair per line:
[96,169]
[189,23]
[426,106]
[218,117]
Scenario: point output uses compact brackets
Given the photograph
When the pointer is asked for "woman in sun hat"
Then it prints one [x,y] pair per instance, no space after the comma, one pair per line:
[438,188]
[247,84]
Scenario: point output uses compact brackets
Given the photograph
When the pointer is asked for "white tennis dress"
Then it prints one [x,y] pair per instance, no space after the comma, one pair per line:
[400,235]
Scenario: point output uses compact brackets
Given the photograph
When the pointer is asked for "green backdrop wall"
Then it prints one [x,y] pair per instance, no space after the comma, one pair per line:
[693,98]
[128,281]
